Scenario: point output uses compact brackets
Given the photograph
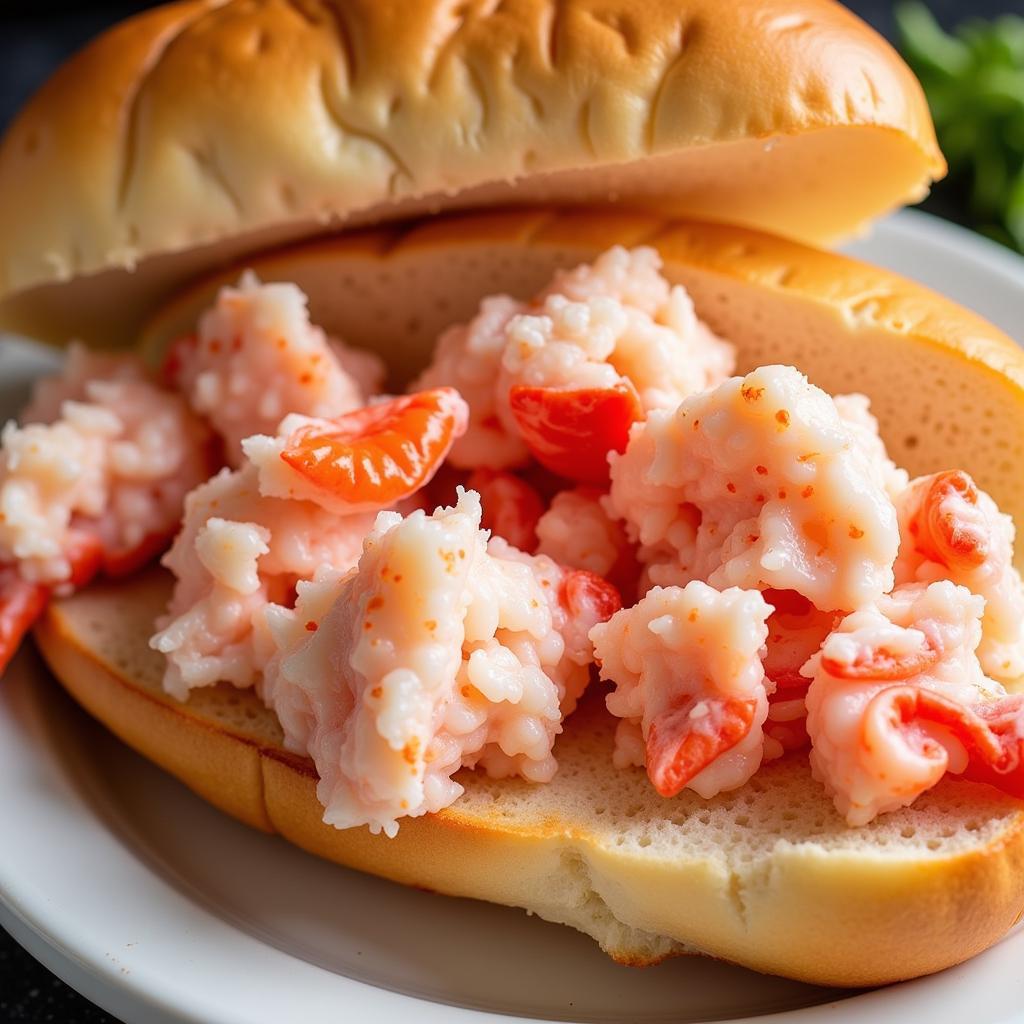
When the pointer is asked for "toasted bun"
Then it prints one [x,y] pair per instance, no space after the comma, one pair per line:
[208,129]
[768,876]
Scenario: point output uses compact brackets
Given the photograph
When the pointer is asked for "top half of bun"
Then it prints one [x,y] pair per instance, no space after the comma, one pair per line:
[204,130]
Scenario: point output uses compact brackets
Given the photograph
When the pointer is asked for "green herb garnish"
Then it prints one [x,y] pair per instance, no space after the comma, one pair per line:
[974,80]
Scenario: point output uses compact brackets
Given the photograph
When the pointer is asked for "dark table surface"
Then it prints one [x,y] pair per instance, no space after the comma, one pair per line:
[34,38]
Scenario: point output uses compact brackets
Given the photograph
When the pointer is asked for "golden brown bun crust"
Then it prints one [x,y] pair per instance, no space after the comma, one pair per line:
[770,877]
[216,127]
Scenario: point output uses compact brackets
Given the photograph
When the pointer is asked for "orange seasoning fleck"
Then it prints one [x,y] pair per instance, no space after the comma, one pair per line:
[807,491]
[430,624]
[377,691]
[761,470]
[214,346]
[807,456]
[236,345]
[782,494]
[782,418]
[282,343]
[855,532]
[693,615]
[411,750]
[311,626]
[760,498]
[751,394]
[375,603]
[306,378]
[753,538]
[398,577]
[730,487]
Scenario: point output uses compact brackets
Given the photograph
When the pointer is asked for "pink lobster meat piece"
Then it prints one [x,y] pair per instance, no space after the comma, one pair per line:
[898,698]
[950,529]
[689,685]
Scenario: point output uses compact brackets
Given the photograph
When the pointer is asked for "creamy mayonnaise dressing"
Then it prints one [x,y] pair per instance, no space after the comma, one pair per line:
[439,651]
[576,531]
[869,757]
[855,412]
[950,529]
[596,326]
[238,550]
[104,453]
[677,658]
[758,483]
[256,357]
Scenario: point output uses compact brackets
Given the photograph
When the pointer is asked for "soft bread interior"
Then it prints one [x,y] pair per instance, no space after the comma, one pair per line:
[947,387]
[768,876]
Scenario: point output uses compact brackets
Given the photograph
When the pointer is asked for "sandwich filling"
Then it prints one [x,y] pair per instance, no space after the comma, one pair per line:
[574,489]
[438,651]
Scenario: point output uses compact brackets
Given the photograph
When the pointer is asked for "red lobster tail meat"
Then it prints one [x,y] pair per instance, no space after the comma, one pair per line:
[684,740]
[21,603]
[992,734]
[941,534]
[883,665]
[383,452]
[511,507]
[585,593]
[571,432]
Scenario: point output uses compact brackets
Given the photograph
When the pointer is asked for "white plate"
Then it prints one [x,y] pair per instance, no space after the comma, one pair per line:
[161,910]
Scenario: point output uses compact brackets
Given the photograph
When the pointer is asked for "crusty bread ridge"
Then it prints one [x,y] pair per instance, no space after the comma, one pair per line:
[769,876]
[208,129]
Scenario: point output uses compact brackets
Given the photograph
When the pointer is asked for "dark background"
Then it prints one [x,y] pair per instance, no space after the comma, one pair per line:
[34,38]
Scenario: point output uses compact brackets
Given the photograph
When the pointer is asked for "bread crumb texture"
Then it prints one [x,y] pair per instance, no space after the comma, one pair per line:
[781,805]
[769,875]
[619,809]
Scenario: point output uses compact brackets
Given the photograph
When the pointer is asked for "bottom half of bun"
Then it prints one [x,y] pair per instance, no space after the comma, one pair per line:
[768,876]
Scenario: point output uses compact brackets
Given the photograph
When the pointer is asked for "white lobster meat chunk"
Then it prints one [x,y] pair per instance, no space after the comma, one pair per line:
[437,652]
[758,484]
[689,685]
